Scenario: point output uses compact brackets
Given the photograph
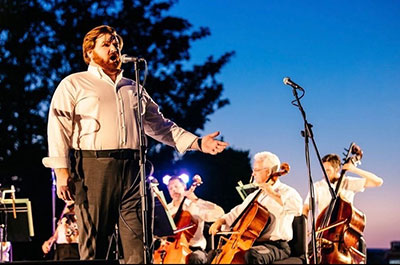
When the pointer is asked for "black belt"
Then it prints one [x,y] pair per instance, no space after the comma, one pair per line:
[116,154]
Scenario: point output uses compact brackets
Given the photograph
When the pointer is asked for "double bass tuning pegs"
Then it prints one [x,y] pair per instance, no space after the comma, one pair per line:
[356,150]
[354,154]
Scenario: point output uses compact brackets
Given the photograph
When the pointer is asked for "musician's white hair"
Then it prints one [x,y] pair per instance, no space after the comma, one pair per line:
[269,159]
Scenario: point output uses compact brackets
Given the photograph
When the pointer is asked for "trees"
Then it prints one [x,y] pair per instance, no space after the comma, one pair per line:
[24,67]
[46,46]
[220,174]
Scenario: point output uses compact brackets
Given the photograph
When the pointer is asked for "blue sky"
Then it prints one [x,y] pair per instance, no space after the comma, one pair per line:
[345,54]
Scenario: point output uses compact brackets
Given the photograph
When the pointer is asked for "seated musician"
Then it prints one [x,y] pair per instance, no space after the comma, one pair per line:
[201,210]
[350,185]
[282,202]
[65,237]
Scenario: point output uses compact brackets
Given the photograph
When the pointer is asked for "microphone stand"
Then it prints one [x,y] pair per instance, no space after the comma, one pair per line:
[142,162]
[308,134]
[53,202]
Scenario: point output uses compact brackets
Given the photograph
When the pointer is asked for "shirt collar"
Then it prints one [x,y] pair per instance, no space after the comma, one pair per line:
[276,184]
[98,71]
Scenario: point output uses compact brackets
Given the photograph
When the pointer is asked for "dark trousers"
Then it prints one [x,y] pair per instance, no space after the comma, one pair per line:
[66,252]
[267,252]
[107,192]
[198,256]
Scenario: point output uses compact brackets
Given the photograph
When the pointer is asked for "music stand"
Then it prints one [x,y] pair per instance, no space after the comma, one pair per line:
[164,224]
[245,190]
[18,229]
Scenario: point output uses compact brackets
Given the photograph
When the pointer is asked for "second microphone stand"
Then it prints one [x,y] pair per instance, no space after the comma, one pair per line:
[308,134]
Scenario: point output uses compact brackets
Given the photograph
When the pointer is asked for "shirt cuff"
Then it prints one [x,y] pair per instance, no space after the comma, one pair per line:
[55,162]
[185,142]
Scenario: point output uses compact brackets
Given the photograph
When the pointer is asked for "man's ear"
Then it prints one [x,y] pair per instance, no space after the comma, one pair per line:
[90,54]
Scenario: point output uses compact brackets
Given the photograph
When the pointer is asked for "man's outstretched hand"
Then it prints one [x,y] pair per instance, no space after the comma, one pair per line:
[210,145]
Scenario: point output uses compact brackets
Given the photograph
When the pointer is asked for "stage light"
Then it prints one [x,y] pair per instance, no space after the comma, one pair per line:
[166,179]
[184,177]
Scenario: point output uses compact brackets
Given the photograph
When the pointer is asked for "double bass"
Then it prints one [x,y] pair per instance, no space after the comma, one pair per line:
[175,249]
[246,228]
[340,225]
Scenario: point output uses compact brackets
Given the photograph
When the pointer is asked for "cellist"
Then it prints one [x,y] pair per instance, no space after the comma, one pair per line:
[283,203]
[201,210]
[350,186]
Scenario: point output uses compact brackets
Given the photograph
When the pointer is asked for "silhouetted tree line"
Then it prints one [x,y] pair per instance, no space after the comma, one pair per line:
[40,43]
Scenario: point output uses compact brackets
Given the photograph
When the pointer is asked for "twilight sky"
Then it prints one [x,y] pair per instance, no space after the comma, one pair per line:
[345,54]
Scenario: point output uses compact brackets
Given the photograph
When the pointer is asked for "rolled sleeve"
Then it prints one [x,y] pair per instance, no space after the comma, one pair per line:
[209,211]
[355,184]
[55,162]
[184,141]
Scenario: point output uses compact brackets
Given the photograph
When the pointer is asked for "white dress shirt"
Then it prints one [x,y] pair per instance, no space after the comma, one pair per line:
[89,111]
[202,211]
[350,187]
[280,227]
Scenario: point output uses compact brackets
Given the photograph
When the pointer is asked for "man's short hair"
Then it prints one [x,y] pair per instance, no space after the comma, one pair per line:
[333,159]
[89,41]
[269,159]
[177,178]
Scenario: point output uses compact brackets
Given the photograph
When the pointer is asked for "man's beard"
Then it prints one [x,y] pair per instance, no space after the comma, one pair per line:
[108,66]
[334,180]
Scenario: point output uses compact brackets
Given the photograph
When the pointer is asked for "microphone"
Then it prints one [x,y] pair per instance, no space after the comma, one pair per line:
[130,59]
[289,82]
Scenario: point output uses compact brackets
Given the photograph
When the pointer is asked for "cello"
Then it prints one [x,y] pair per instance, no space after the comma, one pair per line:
[340,225]
[175,250]
[246,228]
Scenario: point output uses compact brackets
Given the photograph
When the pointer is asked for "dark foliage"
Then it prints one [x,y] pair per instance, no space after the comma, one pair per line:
[220,175]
